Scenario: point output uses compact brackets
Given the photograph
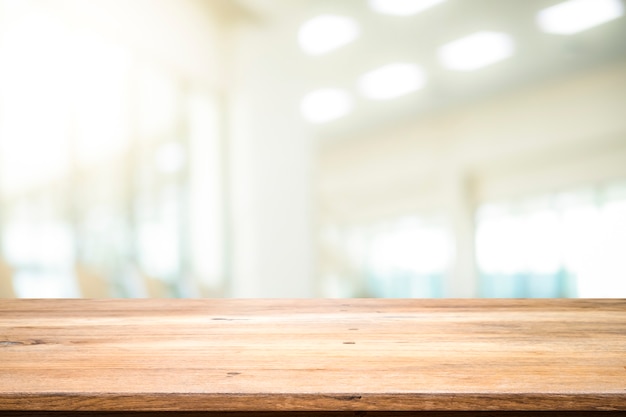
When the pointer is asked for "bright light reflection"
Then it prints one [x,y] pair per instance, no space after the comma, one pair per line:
[496,251]
[613,278]
[157,103]
[416,249]
[324,33]
[73,84]
[206,191]
[543,249]
[476,51]
[577,15]
[391,81]
[170,157]
[100,85]
[402,7]
[324,105]
[508,244]
[580,237]
[34,78]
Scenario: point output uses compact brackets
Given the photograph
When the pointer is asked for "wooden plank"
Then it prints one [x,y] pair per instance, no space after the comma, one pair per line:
[312,355]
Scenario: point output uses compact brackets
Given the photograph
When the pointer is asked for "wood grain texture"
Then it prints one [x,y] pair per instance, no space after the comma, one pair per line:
[312,355]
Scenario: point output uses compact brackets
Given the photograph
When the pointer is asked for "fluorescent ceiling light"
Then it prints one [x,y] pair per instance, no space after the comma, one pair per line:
[476,51]
[402,7]
[577,15]
[391,81]
[324,33]
[324,105]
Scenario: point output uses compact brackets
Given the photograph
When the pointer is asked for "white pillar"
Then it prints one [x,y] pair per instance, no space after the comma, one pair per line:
[271,157]
[462,281]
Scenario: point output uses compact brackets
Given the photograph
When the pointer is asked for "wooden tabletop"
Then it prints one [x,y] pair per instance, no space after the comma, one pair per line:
[308,355]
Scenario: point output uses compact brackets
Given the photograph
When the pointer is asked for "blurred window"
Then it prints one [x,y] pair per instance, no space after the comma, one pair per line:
[40,246]
[109,166]
[158,100]
[403,257]
[559,245]
[207,236]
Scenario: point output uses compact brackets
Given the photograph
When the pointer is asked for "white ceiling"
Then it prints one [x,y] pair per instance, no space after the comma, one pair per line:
[539,57]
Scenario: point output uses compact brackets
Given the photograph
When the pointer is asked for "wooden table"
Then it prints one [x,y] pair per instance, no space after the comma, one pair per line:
[312,357]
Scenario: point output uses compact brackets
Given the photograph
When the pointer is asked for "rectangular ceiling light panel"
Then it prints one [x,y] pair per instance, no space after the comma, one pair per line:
[476,51]
[392,80]
[577,15]
[402,7]
[326,33]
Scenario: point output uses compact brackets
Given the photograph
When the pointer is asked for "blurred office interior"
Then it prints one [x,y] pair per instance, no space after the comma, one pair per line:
[312,148]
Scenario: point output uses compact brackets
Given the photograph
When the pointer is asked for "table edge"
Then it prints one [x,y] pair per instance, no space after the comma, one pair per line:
[314,402]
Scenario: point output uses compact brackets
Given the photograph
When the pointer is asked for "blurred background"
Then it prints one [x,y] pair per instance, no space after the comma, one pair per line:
[312,148]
